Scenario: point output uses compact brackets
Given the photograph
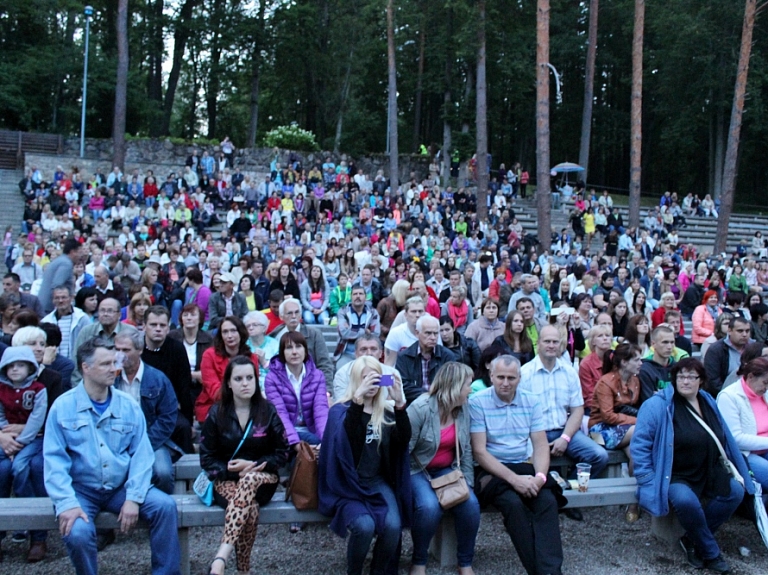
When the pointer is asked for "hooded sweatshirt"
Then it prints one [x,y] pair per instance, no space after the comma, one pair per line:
[26,403]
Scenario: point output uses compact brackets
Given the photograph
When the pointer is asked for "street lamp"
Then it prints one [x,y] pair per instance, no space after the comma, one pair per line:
[88,13]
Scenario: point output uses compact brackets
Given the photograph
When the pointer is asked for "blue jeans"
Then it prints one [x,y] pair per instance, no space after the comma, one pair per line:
[583,450]
[150,201]
[759,466]
[158,509]
[319,319]
[24,476]
[163,473]
[427,514]
[701,523]
[176,307]
[363,528]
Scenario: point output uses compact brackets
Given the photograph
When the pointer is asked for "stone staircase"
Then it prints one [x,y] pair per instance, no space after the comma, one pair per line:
[699,231]
[12,202]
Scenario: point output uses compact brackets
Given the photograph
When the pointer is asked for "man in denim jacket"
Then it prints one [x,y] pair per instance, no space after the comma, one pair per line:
[112,473]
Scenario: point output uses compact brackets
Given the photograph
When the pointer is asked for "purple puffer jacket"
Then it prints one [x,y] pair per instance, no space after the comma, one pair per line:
[314,398]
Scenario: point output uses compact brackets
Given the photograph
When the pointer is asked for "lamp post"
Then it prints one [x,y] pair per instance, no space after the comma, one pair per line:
[88,13]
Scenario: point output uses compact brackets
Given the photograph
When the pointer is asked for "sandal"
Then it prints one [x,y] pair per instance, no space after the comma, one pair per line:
[214,561]
[296,527]
[632,514]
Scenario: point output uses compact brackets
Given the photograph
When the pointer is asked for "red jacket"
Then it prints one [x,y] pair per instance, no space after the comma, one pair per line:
[212,369]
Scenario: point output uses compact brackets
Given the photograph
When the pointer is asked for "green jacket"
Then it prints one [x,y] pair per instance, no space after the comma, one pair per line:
[339,299]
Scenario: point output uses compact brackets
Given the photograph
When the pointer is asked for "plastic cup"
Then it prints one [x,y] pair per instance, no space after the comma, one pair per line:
[583,471]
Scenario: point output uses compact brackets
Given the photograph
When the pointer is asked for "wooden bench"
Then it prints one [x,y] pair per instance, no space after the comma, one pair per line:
[38,513]
[616,458]
[601,493]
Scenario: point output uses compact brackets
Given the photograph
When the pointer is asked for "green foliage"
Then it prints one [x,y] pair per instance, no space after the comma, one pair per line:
[291,138]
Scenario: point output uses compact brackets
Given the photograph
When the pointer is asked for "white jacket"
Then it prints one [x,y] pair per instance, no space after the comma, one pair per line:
[79,321]
[737,413]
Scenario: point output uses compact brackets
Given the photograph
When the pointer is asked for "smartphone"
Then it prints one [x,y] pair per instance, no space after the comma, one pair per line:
[387,381]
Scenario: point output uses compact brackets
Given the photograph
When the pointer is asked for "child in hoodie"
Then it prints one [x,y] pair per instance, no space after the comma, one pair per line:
[24,402]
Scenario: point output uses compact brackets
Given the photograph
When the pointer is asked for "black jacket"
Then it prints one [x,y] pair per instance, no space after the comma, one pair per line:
[409,366]
[466,351]
[266,442]
[691,298]
[717,363]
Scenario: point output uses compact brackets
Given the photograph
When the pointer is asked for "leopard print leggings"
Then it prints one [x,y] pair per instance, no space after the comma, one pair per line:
[242,515]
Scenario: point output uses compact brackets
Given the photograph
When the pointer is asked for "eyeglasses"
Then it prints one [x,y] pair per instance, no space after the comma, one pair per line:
[688,377]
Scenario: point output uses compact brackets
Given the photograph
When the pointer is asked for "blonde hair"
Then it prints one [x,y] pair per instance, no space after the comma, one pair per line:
[380,403]
[598,330]
[446,387]
[400,292]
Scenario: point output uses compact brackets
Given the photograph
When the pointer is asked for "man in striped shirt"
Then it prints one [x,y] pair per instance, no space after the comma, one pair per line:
[509,443]
[70,320]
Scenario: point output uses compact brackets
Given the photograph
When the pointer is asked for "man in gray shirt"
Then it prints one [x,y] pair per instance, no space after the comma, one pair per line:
[59,273]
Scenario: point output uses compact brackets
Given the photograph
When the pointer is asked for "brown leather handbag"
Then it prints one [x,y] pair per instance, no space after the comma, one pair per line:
[302,486]
[451,489]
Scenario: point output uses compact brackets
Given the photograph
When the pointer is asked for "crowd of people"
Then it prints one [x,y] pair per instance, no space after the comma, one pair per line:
[132,333]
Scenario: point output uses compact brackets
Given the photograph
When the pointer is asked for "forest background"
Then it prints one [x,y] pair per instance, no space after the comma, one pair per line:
[203,69]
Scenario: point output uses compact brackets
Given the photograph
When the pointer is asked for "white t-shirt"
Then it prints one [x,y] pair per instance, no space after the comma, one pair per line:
[400,338]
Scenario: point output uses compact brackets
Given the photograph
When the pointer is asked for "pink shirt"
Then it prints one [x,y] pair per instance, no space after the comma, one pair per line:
[446,451]
[760,410]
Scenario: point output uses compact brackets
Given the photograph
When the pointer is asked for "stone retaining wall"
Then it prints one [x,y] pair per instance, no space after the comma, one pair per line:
[163,156]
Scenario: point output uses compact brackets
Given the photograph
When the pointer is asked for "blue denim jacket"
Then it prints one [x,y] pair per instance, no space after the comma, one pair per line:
[83,450]
[653,446]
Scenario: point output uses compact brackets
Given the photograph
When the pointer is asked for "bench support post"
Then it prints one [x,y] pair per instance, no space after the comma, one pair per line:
[443,546]
[667,528]
[184,545]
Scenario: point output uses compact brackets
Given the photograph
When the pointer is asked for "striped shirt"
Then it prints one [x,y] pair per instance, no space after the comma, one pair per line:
[559,390]
[65,325]
[507,426]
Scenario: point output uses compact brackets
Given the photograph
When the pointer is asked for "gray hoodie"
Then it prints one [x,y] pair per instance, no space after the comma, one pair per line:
[26,403]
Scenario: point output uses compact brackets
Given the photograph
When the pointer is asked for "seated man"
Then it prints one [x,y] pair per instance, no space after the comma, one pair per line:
[419,363]
[557,385]
[356,319]
[152,390]
[367,344]
[113,473]
[507,430]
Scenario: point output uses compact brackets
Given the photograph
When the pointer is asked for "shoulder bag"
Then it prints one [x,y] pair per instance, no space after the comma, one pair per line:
[203,486]
[726,463]
[302,485]
[451,489]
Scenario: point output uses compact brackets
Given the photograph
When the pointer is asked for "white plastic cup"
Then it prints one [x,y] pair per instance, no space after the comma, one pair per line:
[583,471]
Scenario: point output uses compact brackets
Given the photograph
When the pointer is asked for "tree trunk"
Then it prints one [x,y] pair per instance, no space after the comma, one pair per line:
[589,84]
[636,140]
[481,120]
[121,84]
[543,199]
[180,37]
[419,82]
[392,100]
[467,94]
[343,103]
[737,111]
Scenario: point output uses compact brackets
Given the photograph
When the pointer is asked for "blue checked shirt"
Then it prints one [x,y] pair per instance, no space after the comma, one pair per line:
[558,390]
[507,426]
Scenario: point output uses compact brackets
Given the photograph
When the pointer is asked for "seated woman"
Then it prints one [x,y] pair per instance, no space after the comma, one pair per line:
[639,333]
[230,341]
[315,297]
[745,411]
[615,402]
[704,317]
[676,447]
[364,476]
[140,303]
[465,349]
[440,430]
[591,367]
[297,389]
[487,327]
[262,345]
[458,309]
[195,340]
[242,464]
[516,341]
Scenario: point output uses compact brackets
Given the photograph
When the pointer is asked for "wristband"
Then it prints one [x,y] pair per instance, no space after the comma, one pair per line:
[566,437]
[542,476]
